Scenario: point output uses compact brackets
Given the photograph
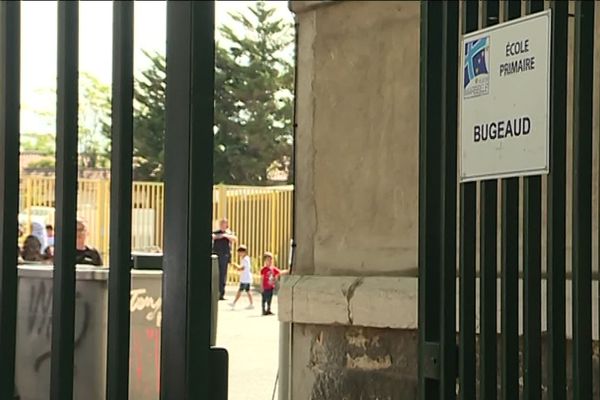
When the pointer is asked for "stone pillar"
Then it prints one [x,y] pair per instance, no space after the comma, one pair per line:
[352,304]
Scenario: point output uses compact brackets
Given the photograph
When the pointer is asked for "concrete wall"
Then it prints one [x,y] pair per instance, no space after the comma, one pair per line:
[357,138]
[34,333]
[354,363]
[356,201]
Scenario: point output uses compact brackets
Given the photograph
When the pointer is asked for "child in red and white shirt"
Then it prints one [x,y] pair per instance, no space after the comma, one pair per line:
[269,276]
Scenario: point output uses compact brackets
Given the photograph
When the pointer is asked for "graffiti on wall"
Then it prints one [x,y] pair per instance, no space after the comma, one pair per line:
[142,302]
[39,319]
[146,317]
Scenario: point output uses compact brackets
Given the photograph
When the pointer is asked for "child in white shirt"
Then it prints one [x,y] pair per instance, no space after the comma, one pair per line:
[245,277]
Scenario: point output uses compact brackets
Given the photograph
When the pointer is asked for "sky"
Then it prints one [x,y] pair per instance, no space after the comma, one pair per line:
[38,46]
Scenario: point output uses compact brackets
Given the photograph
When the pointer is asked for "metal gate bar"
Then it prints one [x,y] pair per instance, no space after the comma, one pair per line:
[63,302]
[510,266]
[207,367]
[10,94]
[582,199]
[119,281]
[438,191]
[532,270]
[436,343]
[190,368]
[467,258]
[186,368]
[449,113]
[430,207]
[556,204]
[488,259]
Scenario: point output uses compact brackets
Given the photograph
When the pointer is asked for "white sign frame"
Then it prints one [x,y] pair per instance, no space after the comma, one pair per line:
[482,92]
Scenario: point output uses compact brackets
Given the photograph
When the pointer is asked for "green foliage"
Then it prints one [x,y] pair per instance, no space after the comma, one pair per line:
[253,100]
[44,163]
[253,103]
[44,144]
[253,106]
[94,122]
[149,120]
[94,125]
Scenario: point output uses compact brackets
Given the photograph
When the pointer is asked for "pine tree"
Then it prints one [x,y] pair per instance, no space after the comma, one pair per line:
[253,103]
[149,120]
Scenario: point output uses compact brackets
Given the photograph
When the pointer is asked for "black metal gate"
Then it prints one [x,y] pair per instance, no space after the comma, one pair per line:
[483,360]
[190,368]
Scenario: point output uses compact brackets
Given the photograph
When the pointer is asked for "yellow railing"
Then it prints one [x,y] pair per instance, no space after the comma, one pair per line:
[260,216]
[262,220]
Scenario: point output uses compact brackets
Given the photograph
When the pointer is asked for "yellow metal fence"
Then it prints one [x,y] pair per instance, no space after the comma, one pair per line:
[261,217]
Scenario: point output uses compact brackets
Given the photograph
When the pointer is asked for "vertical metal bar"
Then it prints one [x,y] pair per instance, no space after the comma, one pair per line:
[556,204]
[488,291]
[510,288]
[185,362]
[174,341]
[532,265]
[488,262]
[63,303]
[430,207]
[448,173]
[119,283]
[490,11]
[512,9]
[467,250]
[510,267]
[533,6]
[582,199]
[10,99]
[201,187]
[467,347]
[532,286]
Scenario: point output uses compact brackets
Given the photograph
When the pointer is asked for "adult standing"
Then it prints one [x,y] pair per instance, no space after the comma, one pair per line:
[86,254]
[222,241]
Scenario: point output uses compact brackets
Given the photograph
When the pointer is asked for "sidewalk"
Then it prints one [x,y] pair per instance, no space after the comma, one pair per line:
[253,345]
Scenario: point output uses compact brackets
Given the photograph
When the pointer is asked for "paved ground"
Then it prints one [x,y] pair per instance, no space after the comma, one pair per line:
[253,345]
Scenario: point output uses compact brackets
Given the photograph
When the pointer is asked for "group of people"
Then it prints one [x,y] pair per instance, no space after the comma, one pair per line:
[223,239]
[38,246]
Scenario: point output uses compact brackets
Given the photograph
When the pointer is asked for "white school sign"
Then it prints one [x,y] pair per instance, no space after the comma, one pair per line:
[505,100]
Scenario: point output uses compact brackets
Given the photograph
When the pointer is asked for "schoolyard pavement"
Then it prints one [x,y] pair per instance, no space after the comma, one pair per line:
[253,345]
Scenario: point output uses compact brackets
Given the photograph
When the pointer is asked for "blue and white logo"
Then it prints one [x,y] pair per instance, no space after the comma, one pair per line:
[476,68]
